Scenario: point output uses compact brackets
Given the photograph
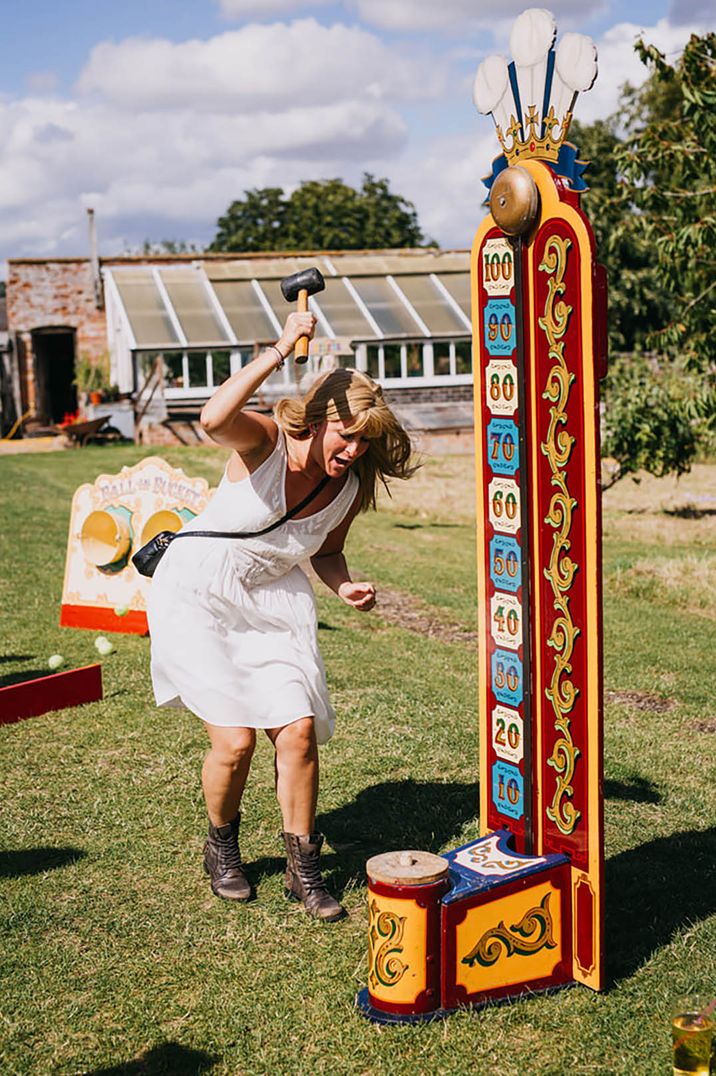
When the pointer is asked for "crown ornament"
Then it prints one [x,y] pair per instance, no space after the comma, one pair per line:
[531,99]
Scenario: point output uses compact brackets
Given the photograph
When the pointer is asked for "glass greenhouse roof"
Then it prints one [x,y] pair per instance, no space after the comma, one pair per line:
[368,297]
[436,309]
[192,301]
[242,306]
[343,314]
[145,307]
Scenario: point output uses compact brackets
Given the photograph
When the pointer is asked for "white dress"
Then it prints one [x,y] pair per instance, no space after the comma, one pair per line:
[233,621]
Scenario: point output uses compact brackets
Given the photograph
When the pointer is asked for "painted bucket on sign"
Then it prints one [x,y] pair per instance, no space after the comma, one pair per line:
[164,520]
[106,539]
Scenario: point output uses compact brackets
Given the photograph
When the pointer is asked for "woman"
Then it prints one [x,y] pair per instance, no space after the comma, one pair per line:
[233,621]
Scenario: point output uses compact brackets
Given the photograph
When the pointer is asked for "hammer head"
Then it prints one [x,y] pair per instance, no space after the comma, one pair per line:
[310,280]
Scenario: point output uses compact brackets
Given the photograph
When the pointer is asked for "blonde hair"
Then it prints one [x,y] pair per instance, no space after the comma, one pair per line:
[351,397]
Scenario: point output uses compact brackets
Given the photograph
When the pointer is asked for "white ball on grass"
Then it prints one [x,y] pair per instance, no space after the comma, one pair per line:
[55,661]
[103,646]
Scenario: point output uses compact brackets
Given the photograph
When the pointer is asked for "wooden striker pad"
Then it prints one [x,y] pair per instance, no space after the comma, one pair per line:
[406,868]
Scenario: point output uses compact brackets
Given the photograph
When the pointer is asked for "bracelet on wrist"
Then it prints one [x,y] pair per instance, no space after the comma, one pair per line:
[281,357]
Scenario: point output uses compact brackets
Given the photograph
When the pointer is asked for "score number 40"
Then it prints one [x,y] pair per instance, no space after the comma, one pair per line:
[509,621]
[506,620]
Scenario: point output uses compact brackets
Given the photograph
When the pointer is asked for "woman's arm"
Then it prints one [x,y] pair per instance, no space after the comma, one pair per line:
[330,565]
[222,416]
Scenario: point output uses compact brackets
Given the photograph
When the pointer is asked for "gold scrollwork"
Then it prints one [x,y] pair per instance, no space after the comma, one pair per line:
[386,968]
[487,858]
[533,932]
[561,570]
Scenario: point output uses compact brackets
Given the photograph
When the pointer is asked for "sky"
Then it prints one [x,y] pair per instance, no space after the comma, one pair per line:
[159,113]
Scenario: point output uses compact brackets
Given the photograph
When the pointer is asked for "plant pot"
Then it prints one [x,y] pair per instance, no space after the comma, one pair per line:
[95,397]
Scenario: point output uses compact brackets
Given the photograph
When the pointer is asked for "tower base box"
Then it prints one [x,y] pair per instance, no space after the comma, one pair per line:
[496,924]
[508,941]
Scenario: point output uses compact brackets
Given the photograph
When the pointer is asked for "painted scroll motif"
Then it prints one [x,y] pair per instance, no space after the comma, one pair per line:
[557,447]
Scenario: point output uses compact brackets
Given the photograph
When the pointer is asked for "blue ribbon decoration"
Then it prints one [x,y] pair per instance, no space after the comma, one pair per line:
[566,165]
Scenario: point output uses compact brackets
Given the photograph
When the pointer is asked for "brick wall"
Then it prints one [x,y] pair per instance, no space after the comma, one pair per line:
[429,394]
[52,295]
[56,294]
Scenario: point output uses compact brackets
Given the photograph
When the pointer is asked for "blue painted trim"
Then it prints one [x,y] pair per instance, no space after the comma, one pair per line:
[466,883]
[566,165]
[516,95]
[547,86]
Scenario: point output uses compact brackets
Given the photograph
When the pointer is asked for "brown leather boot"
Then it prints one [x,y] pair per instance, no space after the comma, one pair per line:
[222,862]
[303,880]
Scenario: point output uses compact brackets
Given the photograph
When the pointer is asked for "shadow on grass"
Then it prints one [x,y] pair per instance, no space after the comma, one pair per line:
[427,526]
[394,815]
[171,1059]
[689,511]
[5,658]
[636,789]
[14,863]
[20,677]
[652,891]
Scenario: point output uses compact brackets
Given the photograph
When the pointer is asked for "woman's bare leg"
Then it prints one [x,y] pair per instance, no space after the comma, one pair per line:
[227,764]
[296,774]
[297,790]
[225,770]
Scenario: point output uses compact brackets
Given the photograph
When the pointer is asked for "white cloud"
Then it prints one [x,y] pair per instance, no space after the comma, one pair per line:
[162,136]
[444,180]
[258,66]
[170,168]
[263,9]
[691,11]
[619,63]
[456,16]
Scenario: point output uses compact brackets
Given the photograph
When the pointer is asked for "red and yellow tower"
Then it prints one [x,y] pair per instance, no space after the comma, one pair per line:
[523,907]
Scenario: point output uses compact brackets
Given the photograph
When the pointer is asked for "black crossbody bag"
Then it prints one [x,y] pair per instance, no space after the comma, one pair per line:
[146,559]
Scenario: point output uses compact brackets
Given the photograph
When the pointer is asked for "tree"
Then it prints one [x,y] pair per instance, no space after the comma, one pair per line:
[669,165]
[323,215]
[649,423]
[651,202]
[169,246]
[638,298]
[320,215]
[388,219]
[256,222]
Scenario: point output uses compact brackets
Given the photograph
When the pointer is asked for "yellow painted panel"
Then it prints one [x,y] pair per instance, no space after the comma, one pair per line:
[397,949]
[512,940]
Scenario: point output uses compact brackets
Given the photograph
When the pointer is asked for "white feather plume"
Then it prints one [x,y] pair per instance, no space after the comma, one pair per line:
[530,41]
[575,70]
[491,90]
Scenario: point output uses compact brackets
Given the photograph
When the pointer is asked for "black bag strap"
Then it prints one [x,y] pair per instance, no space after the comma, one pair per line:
[272,526]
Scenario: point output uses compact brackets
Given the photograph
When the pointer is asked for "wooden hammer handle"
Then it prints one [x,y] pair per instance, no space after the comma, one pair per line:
[301,350]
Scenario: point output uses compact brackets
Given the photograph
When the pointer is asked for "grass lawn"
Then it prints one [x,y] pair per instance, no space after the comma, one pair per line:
[116,959]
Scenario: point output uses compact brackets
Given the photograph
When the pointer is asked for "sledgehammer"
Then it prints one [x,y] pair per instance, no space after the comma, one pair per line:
[300,286]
